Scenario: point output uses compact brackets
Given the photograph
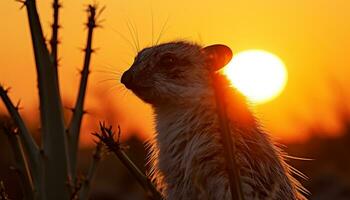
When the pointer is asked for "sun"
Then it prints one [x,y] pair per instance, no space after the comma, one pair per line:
[261,76]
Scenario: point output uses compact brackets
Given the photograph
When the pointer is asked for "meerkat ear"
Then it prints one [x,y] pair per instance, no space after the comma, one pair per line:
[217,55]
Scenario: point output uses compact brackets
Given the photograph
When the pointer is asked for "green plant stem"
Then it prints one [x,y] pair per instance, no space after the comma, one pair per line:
[51,113]
[86,187]
[107,137]
[54,38]
[75,123]
[21,164]
[227,140]
[28,142]
[136,172]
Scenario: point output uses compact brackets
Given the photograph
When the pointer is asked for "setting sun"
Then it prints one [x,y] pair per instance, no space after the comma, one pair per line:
[258,74]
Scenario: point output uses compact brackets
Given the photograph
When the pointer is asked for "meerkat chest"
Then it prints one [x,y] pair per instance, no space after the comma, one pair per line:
[189,146]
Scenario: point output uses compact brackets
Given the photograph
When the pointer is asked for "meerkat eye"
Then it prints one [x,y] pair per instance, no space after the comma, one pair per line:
[167,59]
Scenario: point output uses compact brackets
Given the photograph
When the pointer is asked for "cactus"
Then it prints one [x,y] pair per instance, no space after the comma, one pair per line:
[49,172]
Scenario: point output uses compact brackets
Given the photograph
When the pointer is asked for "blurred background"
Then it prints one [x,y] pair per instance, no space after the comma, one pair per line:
[311,117]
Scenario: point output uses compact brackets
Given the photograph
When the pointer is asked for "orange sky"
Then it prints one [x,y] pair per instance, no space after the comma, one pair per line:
[311,37]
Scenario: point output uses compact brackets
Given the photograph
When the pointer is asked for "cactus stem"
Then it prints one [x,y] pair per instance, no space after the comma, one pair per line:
[28,141]
[21,167]
[52,122]
[54,37]
[75,123]
[86,185]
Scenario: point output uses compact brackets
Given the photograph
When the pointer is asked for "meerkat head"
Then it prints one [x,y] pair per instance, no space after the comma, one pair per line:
[174,72]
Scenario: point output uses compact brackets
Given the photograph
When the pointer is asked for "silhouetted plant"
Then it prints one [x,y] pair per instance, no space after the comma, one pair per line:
[107,136]
[50,171]
[52,167]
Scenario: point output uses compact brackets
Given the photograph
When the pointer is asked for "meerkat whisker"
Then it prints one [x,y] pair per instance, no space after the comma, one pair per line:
[109,72]
[133,34]
[152,21]
[105,80]
[134,49]
[162,30]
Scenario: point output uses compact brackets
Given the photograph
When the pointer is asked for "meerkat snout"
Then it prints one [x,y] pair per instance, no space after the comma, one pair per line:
[127,79]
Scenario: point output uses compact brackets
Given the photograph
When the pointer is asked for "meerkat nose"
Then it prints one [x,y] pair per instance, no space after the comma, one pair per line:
[127,79]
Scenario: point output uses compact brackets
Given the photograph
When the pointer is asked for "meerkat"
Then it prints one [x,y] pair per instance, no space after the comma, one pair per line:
[186,156]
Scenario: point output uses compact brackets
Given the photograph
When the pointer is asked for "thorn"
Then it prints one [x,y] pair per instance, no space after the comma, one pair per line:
[94,50]
[57,6]
[90,113]
[17,107]
[7,90]
[59,61]
[70,108]
[99,22]
[88,50]
[55,26]
[84,71]
[45,38]
[54,42]
[119,133]
[24,3]
[98,26]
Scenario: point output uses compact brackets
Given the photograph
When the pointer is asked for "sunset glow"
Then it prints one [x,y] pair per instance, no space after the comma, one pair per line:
[259,75]
[313,44]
